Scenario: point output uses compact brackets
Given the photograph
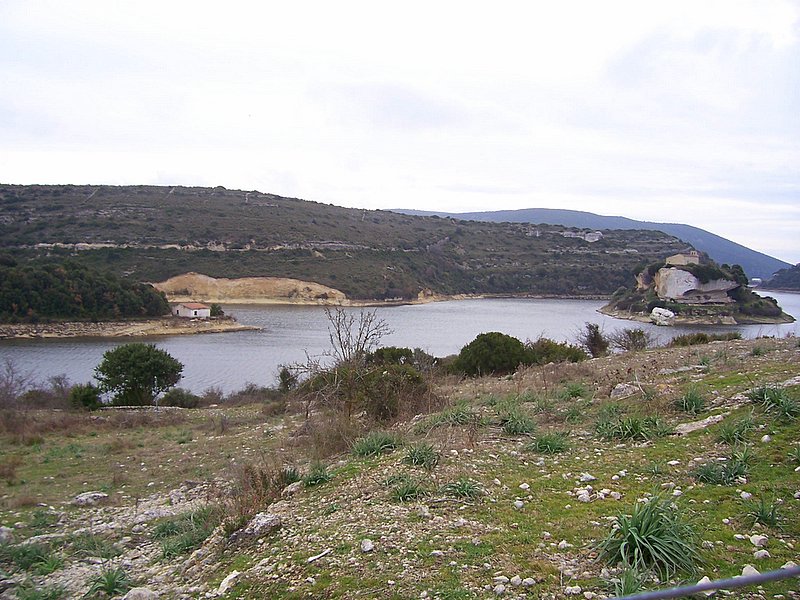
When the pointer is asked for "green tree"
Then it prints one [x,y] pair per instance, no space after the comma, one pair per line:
[492,352]
[137,373]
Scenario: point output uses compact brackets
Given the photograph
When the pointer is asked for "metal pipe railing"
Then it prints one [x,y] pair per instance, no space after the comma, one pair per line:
[720,584]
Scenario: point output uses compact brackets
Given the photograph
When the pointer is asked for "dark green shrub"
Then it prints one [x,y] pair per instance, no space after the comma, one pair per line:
[216,310]
[691,402]
[550,443]
[85,396]
[491,353]
[694,339]
[317,475]
[725,473]
[592,338]
[391,355]
[545,350]
[180,398]
[631,340]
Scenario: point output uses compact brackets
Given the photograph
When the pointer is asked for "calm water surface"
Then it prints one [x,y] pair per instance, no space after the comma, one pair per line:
[230,360]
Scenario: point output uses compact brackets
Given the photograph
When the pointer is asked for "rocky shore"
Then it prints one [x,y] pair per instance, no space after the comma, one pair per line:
[144,328]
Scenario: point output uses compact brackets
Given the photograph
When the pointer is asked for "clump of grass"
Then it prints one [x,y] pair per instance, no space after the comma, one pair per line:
[50,564]
[764,512]
[317,475]
[733,433]
[88,544]
[630,581]
[406,489]
[185,532]
[462,488]
[422,455]
[288,475]
[550,443]
[375,443]
[110,582]
[517,422]
[42,520]
[610,411]
[461,414]
[776,400]
[574,413]
[727,472]
[573,390]
[691,402]
[25,556]
[656,536]
[28,591]
[794,454]
[632,428]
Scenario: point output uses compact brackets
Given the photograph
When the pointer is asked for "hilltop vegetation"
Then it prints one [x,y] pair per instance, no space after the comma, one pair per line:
[756,264]
[32,293]
[150,233]
[785,279]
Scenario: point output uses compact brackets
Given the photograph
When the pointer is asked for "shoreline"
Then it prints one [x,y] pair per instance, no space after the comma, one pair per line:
[121,329]
[699,321]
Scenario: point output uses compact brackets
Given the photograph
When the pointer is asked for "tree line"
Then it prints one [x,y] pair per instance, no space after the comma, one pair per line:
[36,292]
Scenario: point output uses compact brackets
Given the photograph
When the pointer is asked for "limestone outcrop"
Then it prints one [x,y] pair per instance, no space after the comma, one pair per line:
[245,290]
[681,286]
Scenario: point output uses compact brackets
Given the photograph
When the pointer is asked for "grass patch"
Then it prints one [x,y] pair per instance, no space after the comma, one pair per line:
[634,428]
[28,591]
[26,557]
[422,455]
[186,532]
[550,443]
[375,444]
[317,475]
[406,489]
[764,512]
[692,402]
[517,422]
[110,582]
[736,432]
[88,544]
[458,415]
[655,537]
[777,401]
[573,390]
[726,472]
[462,488]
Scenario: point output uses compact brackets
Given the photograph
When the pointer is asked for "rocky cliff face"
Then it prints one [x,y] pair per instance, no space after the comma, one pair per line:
[682,286]
[194,286]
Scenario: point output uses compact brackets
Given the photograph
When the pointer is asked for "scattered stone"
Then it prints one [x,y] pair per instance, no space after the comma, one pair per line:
[623,390]
[677,492]
[260,525]
[662,316]
[90,498]
[518,504]
[789,565]
[292,489]
[500,579]
[759,541]
[704,580]
[761,554]
[325,552]
[745,495]
[748,570]
[547,535]
[572,590]
[524,486]
[497,481]
[686,428]
[586,477]
[563,545]
[227,583]
[499,589]
[368,546]
[516,581]
[673,463]
[766,439]
[140,593]
[6,535]
[528,582]
[437,553]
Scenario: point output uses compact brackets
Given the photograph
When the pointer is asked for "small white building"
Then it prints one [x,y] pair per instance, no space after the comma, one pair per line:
[684,258]
[192,310]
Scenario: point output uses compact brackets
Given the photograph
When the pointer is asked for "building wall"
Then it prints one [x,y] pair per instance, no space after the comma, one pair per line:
[200,313]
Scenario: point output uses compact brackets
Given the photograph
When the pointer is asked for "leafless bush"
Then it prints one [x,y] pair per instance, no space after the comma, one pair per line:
[631,340]
[13,384]
[352,335]
[8,468]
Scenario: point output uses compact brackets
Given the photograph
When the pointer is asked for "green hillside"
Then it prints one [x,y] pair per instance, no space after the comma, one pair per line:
[150,233]
[785,279]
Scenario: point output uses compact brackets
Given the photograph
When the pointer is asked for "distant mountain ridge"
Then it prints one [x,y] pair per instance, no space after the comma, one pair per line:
[722,250]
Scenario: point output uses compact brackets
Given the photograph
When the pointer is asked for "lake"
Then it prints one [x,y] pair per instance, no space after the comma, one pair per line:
[230,360]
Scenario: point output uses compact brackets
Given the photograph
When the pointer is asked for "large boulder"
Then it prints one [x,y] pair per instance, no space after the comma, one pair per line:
[662,316]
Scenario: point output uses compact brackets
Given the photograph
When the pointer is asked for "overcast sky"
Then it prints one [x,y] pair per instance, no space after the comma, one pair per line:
[666,111]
